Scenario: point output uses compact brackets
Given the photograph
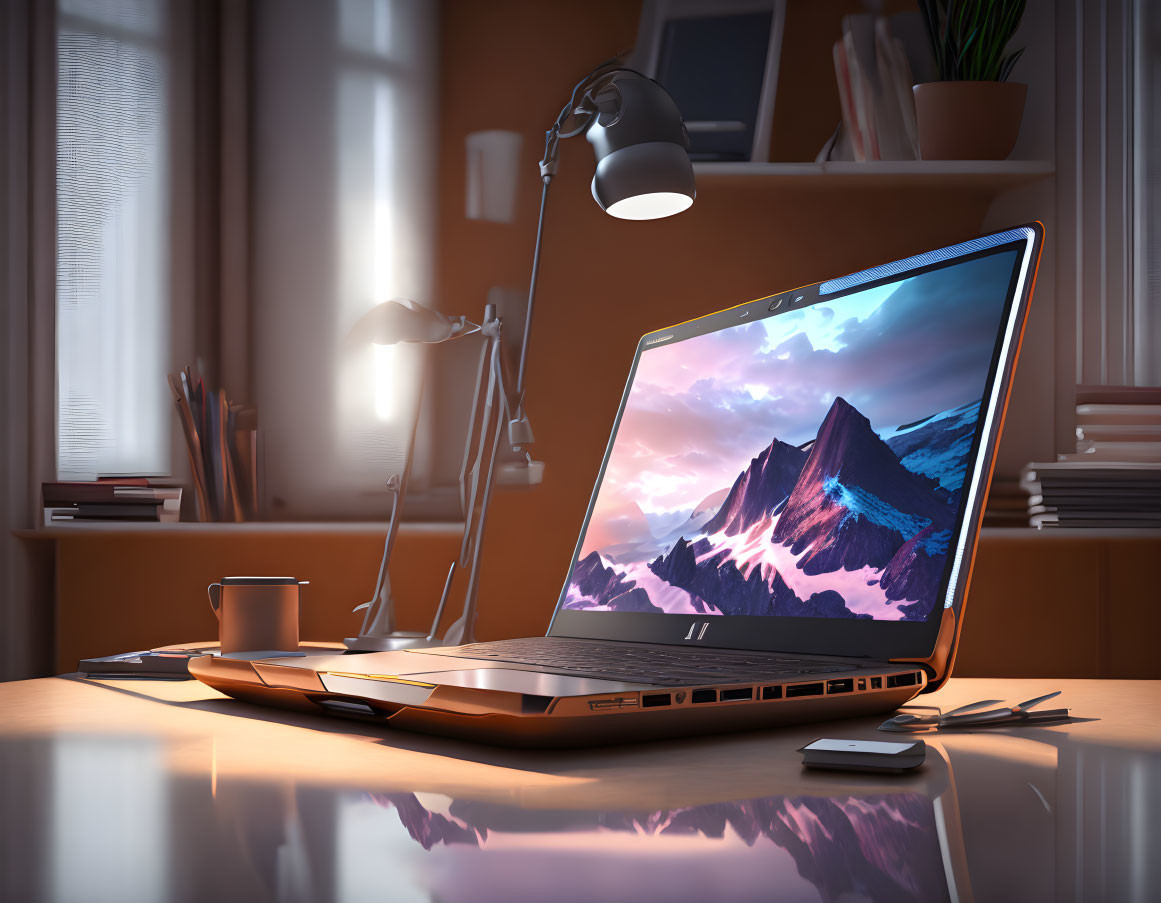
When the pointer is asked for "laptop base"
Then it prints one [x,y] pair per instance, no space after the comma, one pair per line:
[618,713]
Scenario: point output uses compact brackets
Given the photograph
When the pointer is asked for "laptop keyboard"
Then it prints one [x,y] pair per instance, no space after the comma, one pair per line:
[636,662]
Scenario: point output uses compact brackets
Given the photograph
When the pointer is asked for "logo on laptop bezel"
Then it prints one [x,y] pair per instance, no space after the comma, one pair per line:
[699,628]
[660,339]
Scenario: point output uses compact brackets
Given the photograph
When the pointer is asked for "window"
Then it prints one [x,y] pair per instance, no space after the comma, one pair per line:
[114,257]
[1108,200]
[340,116]
[344,207]
[1147,311]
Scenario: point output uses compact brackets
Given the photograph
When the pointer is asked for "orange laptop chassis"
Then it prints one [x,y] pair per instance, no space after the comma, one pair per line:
[493,715]
[507,703]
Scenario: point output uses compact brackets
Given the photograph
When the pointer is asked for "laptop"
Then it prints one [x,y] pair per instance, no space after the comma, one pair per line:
[782,529]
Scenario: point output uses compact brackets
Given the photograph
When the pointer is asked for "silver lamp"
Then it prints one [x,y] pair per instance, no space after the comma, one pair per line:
[643,172]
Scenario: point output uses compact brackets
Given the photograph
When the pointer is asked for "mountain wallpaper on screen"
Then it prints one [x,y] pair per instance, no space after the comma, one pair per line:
[807,465]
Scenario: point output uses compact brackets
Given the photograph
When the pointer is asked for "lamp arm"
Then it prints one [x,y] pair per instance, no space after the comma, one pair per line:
[462,630]
[473,421]
[374,606]
[490,411]
[584,106]
[379,619]
[585,114]
[518,388]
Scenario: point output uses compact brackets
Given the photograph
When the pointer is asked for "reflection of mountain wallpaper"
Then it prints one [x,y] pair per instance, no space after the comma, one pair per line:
[879,848]
[809,464]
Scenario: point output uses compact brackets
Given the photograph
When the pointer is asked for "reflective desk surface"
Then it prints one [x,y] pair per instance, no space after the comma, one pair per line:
[149,791]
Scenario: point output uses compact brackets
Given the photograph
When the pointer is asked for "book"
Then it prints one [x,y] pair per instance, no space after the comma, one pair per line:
[1114,476]
[1093,493]
[1121,395]
[222,443]
[862,93]
[895,101]
[146,664]
[1119,451]
[1122,522]
[873,70]
[1118,414]
[245,450]
[104,491]
[1119,432]
[110,500]
[846,99]
[182,399]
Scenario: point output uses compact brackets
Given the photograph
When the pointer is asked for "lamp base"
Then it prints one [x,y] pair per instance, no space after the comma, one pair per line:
[393,642]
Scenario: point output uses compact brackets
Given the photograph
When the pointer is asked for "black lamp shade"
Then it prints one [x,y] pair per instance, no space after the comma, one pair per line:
[643,169]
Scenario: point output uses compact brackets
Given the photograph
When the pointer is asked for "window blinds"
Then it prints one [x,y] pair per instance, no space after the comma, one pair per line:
[113,254]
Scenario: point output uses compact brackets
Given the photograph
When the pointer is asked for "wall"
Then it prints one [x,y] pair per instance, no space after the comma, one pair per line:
[1041,604]
[510,64]
[117,592]
[603,281]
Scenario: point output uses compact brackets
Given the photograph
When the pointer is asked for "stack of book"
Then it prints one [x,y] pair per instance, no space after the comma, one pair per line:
[1114,478]
[110,499]
[222,441]
[876,63]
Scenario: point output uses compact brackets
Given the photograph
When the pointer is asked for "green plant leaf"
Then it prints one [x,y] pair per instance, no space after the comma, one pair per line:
[1007,64]
[969,38]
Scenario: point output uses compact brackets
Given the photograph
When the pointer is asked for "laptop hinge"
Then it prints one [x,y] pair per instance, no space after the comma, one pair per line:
[938,663]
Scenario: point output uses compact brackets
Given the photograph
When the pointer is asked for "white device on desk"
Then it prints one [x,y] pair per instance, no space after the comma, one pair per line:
[863,755]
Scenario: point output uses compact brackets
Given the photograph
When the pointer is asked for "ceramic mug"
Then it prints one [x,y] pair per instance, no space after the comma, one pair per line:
[256,613]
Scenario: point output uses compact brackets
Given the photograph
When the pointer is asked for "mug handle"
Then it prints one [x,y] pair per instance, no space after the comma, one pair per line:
[215,592]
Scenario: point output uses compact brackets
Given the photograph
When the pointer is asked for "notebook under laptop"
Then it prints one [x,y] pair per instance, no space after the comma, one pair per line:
[782,528]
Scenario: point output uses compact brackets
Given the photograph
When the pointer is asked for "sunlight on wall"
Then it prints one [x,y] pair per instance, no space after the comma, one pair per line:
[345,208]
[386,382]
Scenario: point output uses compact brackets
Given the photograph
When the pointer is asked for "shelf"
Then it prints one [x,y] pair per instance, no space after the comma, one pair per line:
[448,528]
[68,531]
[1051,534]
[992,174]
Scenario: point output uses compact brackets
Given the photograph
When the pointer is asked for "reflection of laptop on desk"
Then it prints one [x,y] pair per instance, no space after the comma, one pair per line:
[881,841]
[782,529]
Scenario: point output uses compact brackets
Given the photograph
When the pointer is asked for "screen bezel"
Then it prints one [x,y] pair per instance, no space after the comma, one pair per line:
[880,640]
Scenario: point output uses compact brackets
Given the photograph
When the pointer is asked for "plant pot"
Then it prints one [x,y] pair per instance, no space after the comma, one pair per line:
[968,120]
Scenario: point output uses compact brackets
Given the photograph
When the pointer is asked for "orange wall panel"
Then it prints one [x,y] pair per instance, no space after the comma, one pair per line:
[118,593]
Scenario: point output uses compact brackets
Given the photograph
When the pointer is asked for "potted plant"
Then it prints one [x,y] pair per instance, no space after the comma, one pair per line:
[973,112]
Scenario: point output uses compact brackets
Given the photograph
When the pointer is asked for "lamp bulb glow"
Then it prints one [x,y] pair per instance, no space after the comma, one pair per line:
[654,205]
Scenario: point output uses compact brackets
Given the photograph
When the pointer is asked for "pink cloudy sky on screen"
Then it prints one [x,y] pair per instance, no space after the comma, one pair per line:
[700,409]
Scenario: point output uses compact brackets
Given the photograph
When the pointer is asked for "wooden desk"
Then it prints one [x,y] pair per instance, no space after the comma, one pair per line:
[136,790]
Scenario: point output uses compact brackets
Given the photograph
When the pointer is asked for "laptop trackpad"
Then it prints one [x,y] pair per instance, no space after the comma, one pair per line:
[535,683]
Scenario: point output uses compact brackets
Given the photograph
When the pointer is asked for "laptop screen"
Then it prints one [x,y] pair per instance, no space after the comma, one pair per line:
[808,459]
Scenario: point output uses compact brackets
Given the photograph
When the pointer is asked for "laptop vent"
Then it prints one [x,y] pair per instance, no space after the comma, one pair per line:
[815,689]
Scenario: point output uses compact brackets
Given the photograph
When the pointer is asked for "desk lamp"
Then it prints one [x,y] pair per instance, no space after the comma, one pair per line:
[643,172]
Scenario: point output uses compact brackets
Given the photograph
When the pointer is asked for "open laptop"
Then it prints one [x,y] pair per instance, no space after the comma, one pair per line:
[782,529]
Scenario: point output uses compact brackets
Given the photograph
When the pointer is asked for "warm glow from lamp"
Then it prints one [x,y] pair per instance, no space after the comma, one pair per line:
[653,205]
